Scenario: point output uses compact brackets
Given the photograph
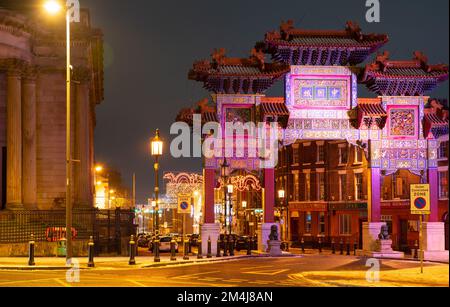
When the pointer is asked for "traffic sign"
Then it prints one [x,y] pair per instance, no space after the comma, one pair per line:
[184,203]
[420,199]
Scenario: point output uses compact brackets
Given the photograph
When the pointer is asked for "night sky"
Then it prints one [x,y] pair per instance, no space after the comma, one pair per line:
[151,45]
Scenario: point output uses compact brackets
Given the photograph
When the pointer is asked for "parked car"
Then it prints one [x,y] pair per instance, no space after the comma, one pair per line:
[164,244]
[143,239]
[243,241]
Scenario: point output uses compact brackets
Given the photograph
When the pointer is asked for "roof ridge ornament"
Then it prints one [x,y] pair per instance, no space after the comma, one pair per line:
[353,28]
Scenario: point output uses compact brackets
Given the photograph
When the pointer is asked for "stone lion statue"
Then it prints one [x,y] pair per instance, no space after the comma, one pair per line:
[384,233]
[273,233]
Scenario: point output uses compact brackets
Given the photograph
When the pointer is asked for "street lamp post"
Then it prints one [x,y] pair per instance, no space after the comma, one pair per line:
[54,7]
[281,197]
[230,205]
[225,172]
[156,151]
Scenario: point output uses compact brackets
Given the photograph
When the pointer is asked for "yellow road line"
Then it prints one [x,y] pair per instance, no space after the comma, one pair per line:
[62,283]
[136,283]
[194,275]
[257,267]
[267,272]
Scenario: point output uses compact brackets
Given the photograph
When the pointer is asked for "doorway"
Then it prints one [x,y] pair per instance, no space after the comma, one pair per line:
[294,230]
[403,237]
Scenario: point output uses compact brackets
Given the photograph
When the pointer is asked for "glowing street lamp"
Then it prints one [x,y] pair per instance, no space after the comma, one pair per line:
[156,151]
[53,7]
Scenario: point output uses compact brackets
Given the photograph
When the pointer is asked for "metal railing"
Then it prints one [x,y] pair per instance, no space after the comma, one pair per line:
[49,225]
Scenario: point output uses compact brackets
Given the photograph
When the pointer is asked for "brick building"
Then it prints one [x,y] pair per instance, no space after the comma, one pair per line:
[326,183]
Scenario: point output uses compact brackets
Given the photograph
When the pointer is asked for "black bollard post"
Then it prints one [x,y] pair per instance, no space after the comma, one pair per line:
[416,250]
[348,247]
[31,251]
[156,249]
[320,245]
[333,247]
[249,246]
[341,246]
[199,251]
[219,242]
[91,253]
[132,251]
[225,247]
[173,252]
[186,251]
[209,254]
[302,244]
[231,244]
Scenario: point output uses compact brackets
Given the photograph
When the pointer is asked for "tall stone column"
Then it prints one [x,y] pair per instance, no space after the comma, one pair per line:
[82,146]
[29,188]
[209,229]
[14,141]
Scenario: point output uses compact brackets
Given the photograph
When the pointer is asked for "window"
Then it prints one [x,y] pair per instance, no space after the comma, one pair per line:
[358,155]
[345,224]
[442,152]
[320,153]
[443,184]
[295,155]
[320,186]
[307,186]
[343,155]
[308,219]
[322,223]
[359,186]
[296,188]
[342,187]
[398,187]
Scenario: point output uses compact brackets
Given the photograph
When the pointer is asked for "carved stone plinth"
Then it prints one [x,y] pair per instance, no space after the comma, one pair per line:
[274,248]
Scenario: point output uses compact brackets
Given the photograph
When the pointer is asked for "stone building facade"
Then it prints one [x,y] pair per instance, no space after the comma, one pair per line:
[33,109]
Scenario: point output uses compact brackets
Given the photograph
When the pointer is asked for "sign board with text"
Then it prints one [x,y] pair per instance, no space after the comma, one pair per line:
[184,203]
[420,198]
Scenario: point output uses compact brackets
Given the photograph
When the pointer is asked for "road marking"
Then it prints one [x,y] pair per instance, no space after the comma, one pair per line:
[27,281]
[209,279]
[267,272]
[236,280]
[62,283]
[259,282]
[257,267]
[194,275]
[136,283]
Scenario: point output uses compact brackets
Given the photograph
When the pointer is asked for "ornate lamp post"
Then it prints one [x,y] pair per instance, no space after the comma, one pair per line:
[281,196]
[156,151]
[244,208]
[230,195]
[225,173]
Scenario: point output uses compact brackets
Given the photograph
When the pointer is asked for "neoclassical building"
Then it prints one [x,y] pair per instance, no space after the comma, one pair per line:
[33,109]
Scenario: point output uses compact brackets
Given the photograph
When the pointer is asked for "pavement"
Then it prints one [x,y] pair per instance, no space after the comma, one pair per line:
[308,270]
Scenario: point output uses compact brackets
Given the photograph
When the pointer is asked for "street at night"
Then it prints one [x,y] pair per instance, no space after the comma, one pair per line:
[301,271]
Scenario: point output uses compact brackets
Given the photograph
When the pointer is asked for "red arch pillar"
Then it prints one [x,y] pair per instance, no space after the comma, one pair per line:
[209,229]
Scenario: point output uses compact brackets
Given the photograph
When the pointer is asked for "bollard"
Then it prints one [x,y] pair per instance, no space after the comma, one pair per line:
[173,252]
[186,251]
[355,247]
[156,249]
[231,245]
[199,251]
[249,247]
[341,246]
[91,253]
[348,247]
[209,254]
[320,245]
[132,244]
[416,250]
[333,247]
[302,244]
[225,247]
[31,251]
[218,247]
